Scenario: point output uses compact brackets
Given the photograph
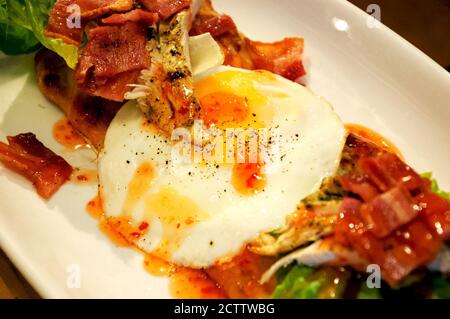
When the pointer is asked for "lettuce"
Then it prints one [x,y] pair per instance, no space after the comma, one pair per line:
[296,285]
[17,40]
[16,36]
[22,24]
[435,186]
[441,287]
[302,282]
[368,293]
[37,12]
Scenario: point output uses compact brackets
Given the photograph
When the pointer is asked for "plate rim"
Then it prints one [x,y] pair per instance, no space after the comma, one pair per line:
[37,280]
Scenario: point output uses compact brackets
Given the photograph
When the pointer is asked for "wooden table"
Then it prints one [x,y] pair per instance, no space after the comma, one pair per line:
[12,284]
[424,23]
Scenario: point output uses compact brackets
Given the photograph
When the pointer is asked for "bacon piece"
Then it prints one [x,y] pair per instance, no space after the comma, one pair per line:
[350,231]
[112,59]
[349,216]
[387,171]
[30,158]
[232,43]
[91,9]
[138,15]
[58,26]
[283,57]
[166,8]
[411,246]
[115,88]
[359,147]
[216,26]
[359,185]
[389,211]
[391,230]
[414,245]
[437,213]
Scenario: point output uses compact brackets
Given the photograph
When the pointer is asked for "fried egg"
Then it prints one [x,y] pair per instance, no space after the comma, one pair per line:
[171,200]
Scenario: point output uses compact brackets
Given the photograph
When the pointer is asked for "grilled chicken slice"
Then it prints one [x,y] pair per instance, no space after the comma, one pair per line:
[321,252]
[165,91]
[314,219]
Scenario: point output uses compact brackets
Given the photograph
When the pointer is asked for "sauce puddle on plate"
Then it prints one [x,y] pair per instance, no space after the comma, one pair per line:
[185,283]
[66,135]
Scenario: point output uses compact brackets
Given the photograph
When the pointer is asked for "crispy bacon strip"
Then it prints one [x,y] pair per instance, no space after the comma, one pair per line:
[91,9]
[410,247]
[402,224]
[283,57]
[359,185]
[112,59]
[387,171]
[216,26]
[138,15]
[389,211]
[31,159]
[58,26]
[437,212]
[166,8]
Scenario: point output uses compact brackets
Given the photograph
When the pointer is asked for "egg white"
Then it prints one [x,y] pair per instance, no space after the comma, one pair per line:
[232,219]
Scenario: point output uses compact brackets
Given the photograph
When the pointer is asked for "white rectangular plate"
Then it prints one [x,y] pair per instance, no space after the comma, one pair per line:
[371,76]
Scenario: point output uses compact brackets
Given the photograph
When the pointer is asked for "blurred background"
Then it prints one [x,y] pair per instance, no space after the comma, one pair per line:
[424,23]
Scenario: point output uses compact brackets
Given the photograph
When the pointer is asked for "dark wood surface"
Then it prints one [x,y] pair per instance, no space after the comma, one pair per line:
[425,23]
[12,284]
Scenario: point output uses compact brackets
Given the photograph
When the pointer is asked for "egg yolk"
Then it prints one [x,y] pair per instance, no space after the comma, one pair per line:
[222,107]
[232,99]
[248,178]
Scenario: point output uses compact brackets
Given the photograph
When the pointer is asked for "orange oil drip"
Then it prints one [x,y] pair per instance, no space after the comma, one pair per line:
[374,137]
[248,178]
[66,135]
[138,186]
[84,177]
[118,229]
[185,283]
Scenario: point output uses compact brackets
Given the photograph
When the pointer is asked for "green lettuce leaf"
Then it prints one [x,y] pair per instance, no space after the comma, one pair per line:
[435,186]
[22,24]
[302,282]
[16,36]
[441,286]
[368,293]
[17,40]
[296,285]
[37,12]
